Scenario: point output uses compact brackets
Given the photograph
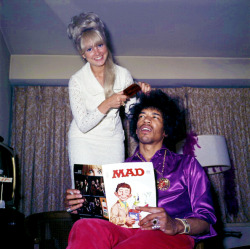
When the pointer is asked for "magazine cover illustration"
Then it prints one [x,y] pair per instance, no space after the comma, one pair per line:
[89,180]
[128,185]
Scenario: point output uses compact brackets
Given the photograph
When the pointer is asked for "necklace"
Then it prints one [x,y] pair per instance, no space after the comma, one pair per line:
[162,183]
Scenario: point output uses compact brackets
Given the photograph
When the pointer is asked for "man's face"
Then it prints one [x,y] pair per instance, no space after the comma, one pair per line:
[123,194]
[150,128]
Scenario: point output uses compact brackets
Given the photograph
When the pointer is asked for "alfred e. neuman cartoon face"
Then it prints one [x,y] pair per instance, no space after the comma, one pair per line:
[123,194]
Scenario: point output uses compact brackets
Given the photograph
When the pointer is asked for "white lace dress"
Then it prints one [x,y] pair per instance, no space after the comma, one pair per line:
[95,138]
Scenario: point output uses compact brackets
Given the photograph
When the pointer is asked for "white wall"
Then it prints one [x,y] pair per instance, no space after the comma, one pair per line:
[5,91]
[163,71]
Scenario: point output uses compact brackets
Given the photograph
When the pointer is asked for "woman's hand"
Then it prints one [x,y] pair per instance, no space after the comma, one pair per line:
[114,101]
[73,200]
[117,100]
[159,219]
[145,87]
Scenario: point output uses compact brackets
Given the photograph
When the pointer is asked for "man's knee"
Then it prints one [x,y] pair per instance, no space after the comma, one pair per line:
[90,223]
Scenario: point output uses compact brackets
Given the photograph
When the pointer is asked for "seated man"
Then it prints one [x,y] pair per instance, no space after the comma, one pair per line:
[184,213]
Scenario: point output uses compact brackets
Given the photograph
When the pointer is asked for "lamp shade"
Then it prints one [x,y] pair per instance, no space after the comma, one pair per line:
[211,152]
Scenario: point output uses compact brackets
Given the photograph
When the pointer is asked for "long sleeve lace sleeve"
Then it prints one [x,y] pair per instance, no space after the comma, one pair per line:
[85,120]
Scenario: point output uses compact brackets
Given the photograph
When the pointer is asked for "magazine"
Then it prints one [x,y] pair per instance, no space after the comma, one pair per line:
[127,185]
[89,180]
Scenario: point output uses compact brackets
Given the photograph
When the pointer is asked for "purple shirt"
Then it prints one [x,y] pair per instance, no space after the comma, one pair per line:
[189,193]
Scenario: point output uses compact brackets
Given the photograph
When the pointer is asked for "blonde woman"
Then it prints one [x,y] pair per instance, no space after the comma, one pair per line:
[96,134]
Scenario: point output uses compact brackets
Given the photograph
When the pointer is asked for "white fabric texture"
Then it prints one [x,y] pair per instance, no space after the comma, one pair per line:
[95,138]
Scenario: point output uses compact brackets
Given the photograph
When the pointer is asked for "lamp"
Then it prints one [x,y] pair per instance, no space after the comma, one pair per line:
[211,152]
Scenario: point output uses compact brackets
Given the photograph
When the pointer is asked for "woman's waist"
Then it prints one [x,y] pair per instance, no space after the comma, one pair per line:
[101,130]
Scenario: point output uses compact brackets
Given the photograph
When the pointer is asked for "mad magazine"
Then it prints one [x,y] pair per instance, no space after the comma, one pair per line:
[127,185]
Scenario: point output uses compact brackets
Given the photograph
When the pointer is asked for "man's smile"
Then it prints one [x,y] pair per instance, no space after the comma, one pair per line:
[146,128]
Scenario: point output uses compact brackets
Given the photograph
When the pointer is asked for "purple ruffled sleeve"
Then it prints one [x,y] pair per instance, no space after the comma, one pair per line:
[200,196]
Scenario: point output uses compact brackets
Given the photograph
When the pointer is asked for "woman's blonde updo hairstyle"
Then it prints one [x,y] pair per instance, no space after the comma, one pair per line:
[90,26]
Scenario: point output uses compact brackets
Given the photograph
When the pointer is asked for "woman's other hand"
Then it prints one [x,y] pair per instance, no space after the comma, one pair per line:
[145,87]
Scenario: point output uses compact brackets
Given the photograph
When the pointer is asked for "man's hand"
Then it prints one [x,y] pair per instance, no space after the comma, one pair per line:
[160,219]
[73,200]
[165,222]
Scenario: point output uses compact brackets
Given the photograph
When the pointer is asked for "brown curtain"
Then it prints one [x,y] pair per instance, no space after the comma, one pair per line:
[41,117]
[225,112]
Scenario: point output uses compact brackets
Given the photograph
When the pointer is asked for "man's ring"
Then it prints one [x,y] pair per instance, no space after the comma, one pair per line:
[69,210]
[155,223]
